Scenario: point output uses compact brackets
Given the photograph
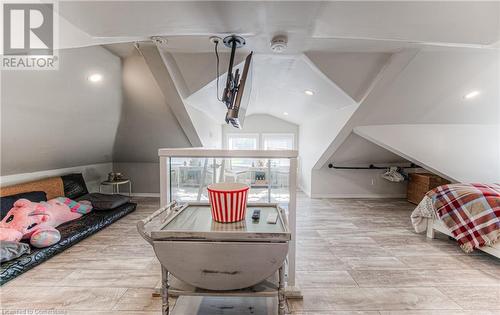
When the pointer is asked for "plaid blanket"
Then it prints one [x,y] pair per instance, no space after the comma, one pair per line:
[470,211]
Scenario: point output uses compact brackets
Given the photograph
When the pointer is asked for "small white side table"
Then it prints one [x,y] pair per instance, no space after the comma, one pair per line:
[115,184]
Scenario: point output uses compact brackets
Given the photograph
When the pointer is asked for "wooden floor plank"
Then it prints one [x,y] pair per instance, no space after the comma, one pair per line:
[354,256]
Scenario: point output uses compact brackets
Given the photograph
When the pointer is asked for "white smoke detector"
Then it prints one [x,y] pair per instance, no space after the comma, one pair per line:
[279,43]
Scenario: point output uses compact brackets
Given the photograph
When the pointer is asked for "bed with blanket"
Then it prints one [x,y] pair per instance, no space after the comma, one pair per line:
[18,257]
[470,213]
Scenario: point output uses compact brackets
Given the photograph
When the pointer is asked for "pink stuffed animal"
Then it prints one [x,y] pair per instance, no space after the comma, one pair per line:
[37,221]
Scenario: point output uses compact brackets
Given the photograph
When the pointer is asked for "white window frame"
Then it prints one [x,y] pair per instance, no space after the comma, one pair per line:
[243,135]
[263,135]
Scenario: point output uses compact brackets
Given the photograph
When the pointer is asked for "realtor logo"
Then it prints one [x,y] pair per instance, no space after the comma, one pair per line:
[28,29]
[28,36]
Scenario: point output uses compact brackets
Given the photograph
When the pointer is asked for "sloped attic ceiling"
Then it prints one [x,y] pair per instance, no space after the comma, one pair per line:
[353,72]
[48,119]
[278,85]
[383,29]
[147,122]
[199,69]
[358,151]
[323,28]
[311,25]
[278,81]
[463,153]
[422,114]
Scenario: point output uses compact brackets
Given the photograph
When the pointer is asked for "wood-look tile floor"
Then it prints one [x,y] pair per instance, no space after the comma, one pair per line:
[354,257]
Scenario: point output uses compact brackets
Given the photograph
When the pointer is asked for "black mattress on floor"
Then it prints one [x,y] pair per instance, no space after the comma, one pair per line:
[71,233]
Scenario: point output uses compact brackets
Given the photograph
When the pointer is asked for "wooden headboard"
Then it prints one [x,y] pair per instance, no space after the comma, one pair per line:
[52,186]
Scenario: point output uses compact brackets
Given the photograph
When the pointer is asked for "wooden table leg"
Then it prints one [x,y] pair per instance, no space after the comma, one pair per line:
[164,291]
[281,291]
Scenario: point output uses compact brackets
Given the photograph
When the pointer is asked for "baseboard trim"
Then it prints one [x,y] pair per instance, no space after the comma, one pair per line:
[358,196]
[156,195]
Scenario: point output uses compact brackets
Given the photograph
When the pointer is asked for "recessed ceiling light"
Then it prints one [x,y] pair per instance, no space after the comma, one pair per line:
[309,92]
[285,113]
[96,77]
[471,94]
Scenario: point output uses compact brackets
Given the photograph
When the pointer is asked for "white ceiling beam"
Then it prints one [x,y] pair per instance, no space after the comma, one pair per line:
[171,92]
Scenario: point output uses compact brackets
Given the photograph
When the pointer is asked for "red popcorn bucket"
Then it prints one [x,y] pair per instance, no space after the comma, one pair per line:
[228,201]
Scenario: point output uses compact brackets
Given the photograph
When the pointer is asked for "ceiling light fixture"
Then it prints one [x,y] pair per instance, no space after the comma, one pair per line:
[308,92]
[94,78]
[471,94]
[285,113]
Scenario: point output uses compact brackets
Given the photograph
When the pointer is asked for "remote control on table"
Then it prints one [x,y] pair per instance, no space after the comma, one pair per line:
[272,218]
[256,215]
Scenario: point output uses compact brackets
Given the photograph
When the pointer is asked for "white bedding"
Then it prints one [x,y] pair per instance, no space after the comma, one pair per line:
[422,213]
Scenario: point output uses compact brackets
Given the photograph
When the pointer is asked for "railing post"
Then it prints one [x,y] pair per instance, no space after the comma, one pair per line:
[214,177]
[165,187]
[269,183]
[292,219]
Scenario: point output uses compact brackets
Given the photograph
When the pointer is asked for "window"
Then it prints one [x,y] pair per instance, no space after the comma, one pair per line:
[242,141]
[278,141]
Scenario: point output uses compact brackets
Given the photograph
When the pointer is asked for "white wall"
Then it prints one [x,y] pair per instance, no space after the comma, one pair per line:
[314,138]
[330,183]
[337,183]
[189,72]
[147,123]
[464,153]
[93,174]
[145,177]
[418,89]
[208,130]
[353,75]
[54,122]
[260,124]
